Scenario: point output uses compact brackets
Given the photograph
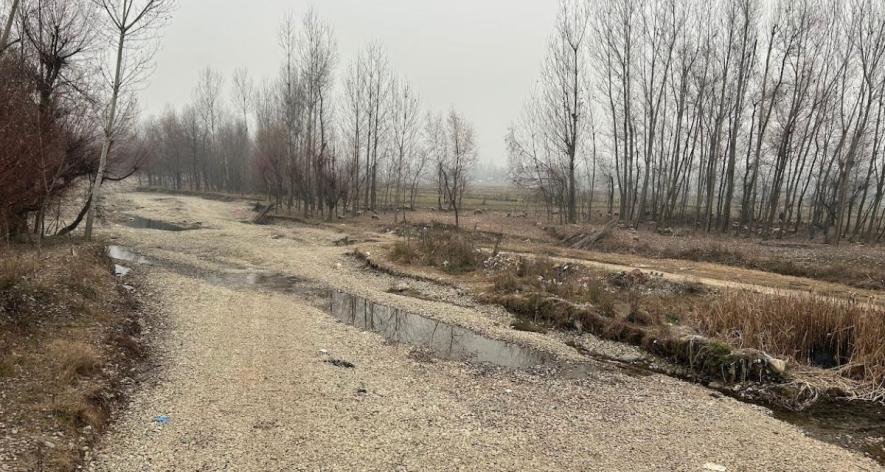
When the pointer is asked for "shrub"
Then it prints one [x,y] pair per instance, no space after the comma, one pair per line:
[449,249]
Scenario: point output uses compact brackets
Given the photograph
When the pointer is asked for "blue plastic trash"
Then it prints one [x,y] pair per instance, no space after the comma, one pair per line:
[161,419]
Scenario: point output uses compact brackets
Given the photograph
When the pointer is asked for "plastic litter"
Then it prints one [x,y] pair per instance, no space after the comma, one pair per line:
[161,419]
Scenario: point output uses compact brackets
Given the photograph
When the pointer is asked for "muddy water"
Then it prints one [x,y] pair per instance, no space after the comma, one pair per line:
[147,223]
[856,426]
[444,340]
[852,425]
[256,280]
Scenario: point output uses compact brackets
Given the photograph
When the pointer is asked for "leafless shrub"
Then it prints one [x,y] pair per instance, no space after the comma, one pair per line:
[449,249]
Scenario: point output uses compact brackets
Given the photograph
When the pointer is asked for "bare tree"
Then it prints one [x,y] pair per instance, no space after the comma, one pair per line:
[455,160]
[405,126]
[7,27]
[131,21]
[565,100]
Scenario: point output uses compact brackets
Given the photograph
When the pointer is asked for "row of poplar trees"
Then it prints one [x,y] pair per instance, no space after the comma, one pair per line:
[751,116]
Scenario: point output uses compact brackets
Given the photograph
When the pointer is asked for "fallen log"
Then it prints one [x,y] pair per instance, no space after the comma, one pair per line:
[261,219]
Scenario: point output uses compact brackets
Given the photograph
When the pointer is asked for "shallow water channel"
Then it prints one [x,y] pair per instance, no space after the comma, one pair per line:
[853,425]
[444,340]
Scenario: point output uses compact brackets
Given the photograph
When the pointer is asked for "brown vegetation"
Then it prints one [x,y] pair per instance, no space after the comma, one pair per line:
[730,336]
[450,249]
[810,330]
[68,335]
[857,266]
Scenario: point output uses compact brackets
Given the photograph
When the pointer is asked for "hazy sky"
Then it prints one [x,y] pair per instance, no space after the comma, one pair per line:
[482,56]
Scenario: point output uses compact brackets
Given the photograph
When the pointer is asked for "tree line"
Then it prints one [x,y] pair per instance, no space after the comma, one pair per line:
[318,139]
[743,116]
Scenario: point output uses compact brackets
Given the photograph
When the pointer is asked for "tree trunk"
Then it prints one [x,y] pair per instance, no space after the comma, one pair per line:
[108,137]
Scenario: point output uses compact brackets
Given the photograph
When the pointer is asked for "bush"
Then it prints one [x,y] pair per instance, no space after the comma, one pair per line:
[449,249]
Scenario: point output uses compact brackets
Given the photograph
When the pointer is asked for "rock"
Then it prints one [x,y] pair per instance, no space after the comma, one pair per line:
[777,366]
[49,444]
[714,467]
[400,287]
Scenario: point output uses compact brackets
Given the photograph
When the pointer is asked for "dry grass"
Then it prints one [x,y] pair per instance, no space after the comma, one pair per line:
[810,330]
[542,275]
[74,359]
[447,248]
[856,266]
[64,344]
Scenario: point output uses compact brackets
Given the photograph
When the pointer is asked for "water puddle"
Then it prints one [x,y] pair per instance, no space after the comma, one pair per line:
[857,426]
[122,253]
[256,280]
[444,340]
[147,223]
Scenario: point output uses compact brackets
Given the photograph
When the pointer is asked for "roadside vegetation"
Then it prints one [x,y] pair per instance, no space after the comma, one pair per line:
[817,346]
[69,339]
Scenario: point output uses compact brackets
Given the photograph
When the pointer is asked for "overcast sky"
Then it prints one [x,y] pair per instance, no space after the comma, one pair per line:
[482,56]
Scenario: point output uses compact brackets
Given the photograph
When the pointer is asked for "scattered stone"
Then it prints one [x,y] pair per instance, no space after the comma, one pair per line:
[714,467]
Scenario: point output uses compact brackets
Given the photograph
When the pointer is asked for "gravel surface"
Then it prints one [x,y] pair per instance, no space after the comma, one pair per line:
[245,383]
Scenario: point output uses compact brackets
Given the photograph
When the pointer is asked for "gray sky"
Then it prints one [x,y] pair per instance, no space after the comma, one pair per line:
[482,56]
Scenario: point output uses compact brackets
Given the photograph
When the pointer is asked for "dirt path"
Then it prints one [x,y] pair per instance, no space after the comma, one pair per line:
[244,381]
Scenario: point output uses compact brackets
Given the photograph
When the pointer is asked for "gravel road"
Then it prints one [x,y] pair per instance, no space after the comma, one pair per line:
[244,381]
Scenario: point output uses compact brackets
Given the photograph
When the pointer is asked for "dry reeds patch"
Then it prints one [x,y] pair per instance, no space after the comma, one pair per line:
[810,330]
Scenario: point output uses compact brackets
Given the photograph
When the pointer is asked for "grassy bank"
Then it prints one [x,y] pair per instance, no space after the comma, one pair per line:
[732,335]
[69,336]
